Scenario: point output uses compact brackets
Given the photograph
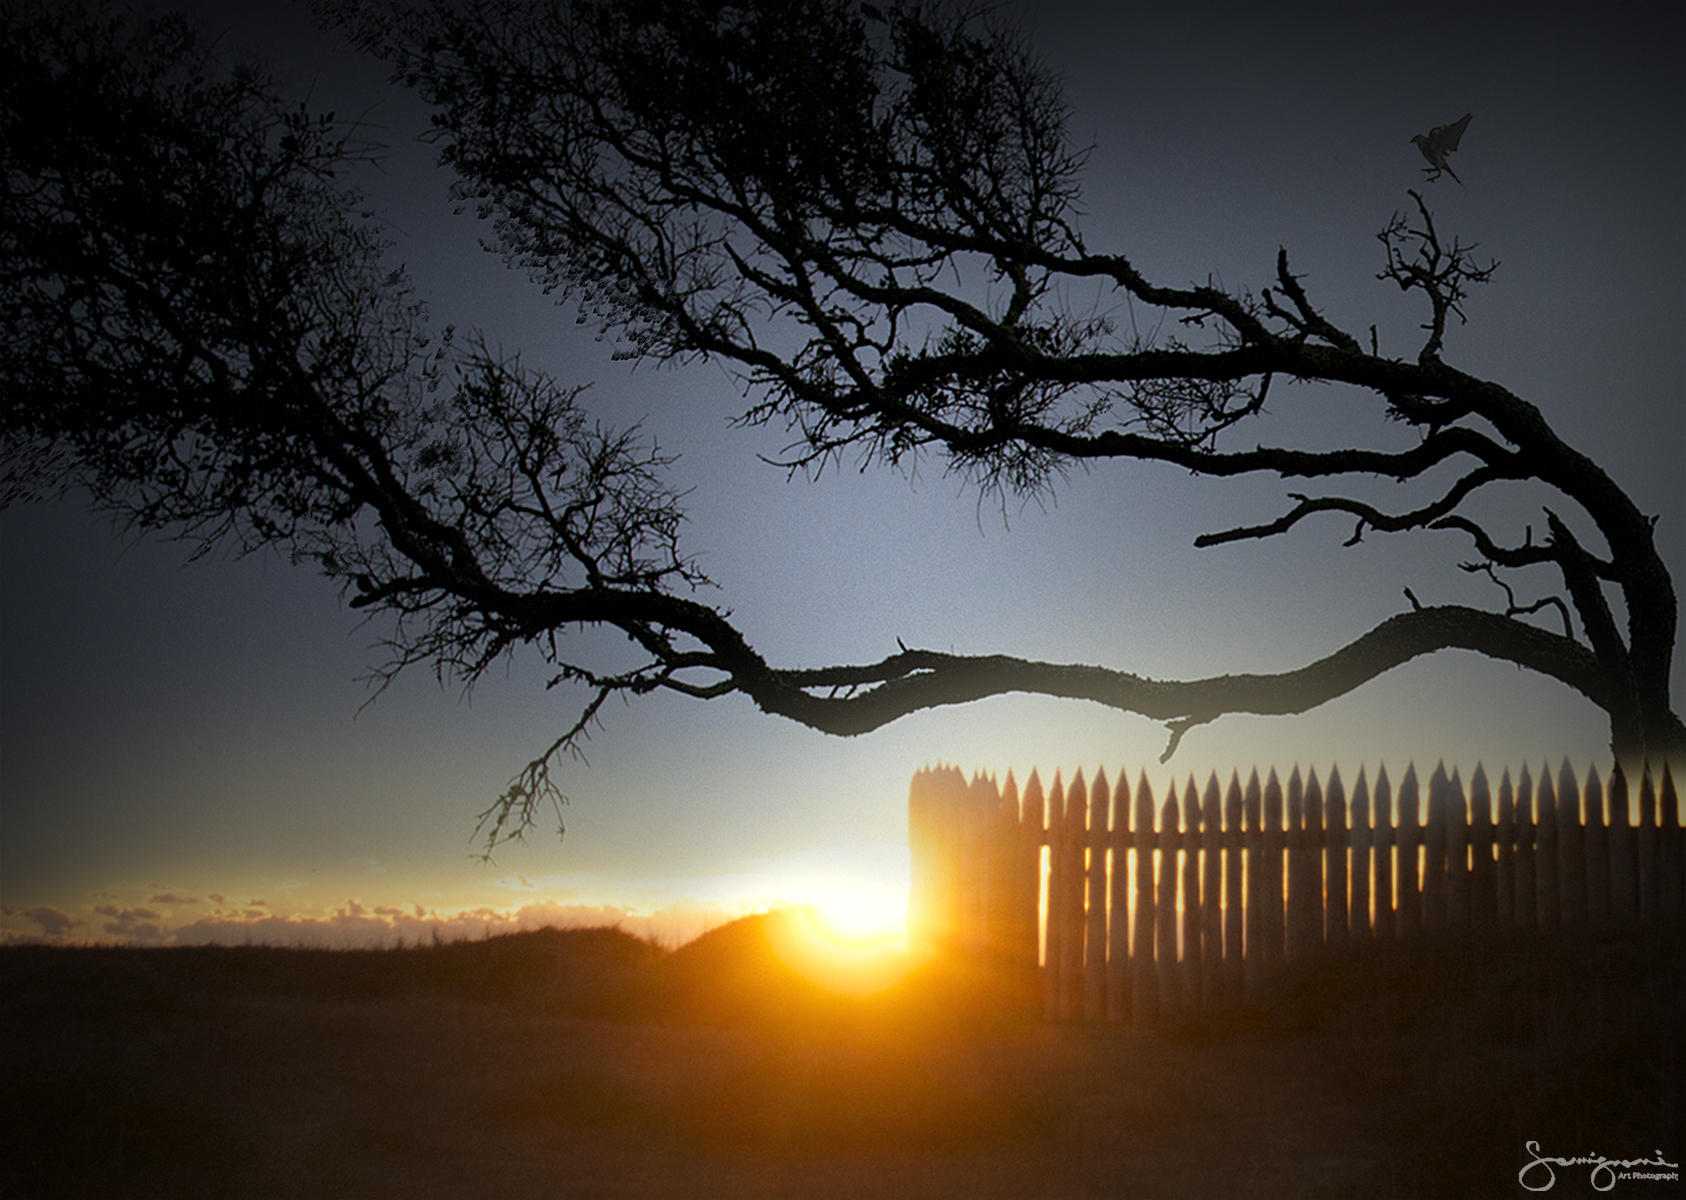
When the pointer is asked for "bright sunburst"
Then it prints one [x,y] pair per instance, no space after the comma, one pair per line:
[850,931]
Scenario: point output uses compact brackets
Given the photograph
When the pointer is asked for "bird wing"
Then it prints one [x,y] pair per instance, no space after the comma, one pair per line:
[1447,137]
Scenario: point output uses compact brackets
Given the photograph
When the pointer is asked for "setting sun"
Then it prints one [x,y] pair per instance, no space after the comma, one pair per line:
[858,894]
[848,926]
[859,964]
[862,912]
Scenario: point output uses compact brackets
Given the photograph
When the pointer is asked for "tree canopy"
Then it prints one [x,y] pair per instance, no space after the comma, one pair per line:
[872,217]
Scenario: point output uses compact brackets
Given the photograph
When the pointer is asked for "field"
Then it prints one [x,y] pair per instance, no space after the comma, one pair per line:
[589,1063]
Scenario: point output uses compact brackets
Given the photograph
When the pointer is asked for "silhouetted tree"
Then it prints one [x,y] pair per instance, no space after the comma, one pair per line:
[870,215]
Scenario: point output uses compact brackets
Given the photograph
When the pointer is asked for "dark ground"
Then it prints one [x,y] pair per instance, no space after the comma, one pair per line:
[588,1063]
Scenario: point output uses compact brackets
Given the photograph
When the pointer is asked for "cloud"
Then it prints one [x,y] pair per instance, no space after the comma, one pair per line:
[358,926]
[355,925]
[131,924]
[53,923]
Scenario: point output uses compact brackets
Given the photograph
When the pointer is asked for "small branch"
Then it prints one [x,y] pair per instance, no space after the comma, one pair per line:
[1179,728]
[1512,608]
[1369,517]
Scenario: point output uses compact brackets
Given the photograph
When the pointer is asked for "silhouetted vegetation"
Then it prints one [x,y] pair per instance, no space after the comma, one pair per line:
[590,1062]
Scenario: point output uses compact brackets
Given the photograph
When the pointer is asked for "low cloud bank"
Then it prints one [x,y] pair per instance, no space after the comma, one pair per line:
[352,926]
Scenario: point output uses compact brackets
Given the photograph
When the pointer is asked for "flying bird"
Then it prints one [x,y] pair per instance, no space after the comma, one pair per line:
[1440,141]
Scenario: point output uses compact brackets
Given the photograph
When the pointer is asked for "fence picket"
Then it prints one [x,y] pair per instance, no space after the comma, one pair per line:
[1335,863]
[1071,906]
[1460,879]
[1624,853]
[1253,961]
[1165,941]
[1434,853]
[1057,892]
[1504,852]
[1274,937]
[1234,904]
[1407,870]
[1571,851]
[1548,855]
[1094,928]
[1671,852]
[1647,859]
[1383,838]
[1595,843]
[1144,980]
[1526,904]
[1118,905]
[1295,917]
[1362,864]
[1123,909]
[1483,866]
[1211,893]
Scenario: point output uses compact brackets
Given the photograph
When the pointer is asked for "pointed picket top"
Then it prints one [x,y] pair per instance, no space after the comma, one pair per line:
[1035,803]
[1618,793]
[1296,799]
[1383,798]
[1190,807]
[1253,800]
[1272,803]
[1314,803]
[1145,809]
[1232,803]
[1360,805]
[1438,787]
[1121,803]
[1212,804]
[1010,797]
[1076,801]
[1566,787]
[1480,795]
[1409,803]
[1547,796]
[1334,801]
[1056,801]
[1100,803]
[1593,795]
[1168,816]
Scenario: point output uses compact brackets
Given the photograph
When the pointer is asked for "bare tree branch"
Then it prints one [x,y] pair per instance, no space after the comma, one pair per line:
[875,224]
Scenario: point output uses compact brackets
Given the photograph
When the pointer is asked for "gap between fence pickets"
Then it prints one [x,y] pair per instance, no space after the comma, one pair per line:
[1118,904]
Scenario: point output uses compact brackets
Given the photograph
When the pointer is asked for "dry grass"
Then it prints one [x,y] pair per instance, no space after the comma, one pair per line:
[587,1063]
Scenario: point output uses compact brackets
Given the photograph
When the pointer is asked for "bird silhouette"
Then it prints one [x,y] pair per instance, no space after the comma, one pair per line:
[1440,141]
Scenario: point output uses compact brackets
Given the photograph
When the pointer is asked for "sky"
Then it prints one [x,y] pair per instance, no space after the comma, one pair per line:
[186,752]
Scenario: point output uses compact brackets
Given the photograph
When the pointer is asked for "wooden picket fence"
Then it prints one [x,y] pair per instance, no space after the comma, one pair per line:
[1124,907]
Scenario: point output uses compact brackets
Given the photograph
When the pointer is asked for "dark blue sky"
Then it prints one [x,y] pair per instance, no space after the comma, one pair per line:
[185,731]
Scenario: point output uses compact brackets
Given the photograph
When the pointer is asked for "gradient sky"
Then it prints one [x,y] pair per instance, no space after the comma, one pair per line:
[183,746]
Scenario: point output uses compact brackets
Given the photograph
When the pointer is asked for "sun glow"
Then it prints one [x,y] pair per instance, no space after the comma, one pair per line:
[848,930]
[858,964]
